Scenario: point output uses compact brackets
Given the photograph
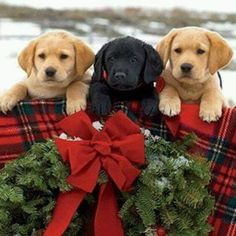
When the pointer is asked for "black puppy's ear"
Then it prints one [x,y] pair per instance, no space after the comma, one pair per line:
[154,64]
[99,63]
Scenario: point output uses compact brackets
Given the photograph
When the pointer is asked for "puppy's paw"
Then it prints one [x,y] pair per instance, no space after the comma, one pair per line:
[170,106]
[150,106]
[210,112]
[73,106]
[7,102]
[102,106]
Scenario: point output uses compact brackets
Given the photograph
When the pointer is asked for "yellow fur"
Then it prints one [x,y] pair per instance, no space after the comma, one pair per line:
[202,84]
[71,79]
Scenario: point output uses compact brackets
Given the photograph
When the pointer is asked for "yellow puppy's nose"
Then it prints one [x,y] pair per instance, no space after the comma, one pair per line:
[50,71]
[186,67]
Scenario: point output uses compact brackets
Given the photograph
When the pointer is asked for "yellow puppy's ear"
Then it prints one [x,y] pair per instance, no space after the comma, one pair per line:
[220,52]
[164,46]
[26,57]
[84,57]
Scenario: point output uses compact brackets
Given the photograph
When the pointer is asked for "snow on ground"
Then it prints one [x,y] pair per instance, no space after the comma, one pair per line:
[221,27]
[229,84]
[9,27]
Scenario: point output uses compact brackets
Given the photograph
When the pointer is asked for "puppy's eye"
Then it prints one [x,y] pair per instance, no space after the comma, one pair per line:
[133,60]
[200,51]
[178,50]
[111,59]
[42,56]
[63,56]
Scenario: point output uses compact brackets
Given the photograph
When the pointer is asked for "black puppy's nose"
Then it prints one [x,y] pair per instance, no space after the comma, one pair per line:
[186,67]
[50,71]
[120,75]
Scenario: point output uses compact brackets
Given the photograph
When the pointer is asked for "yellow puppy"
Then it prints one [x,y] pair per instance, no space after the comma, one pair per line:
[192,57]
[56,65]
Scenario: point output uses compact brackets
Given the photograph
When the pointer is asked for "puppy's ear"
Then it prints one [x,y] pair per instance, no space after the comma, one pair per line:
[220,52]
[26,57]
[164,46]
[153,65]
[84,57]
[99,63]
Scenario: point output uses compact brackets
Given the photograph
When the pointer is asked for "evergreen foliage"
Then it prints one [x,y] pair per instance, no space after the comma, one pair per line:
[171,191]
[28,190]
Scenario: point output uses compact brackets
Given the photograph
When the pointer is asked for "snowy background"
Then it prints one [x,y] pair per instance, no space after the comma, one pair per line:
[14,35]
[200,5]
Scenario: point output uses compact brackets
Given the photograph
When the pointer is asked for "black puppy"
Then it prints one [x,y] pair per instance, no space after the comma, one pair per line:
[125,69]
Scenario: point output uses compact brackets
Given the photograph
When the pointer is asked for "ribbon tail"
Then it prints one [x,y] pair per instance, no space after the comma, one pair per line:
[107,221]
[66,206]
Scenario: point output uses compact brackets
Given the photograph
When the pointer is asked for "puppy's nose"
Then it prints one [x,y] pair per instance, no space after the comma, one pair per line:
[50,71]
[186,67]
[120,75]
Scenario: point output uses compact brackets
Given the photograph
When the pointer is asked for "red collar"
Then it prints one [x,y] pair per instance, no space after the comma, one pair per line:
[104,75]
[160,84]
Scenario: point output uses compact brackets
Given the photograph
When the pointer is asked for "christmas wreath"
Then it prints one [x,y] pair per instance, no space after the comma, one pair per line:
[165,193]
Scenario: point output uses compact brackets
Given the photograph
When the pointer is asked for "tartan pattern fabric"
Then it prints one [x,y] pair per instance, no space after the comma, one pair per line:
[36,121]
[28,123]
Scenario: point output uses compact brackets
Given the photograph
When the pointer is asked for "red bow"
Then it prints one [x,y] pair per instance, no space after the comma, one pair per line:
[115,149]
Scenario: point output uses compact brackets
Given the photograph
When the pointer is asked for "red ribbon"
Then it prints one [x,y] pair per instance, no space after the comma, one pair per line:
[115,149]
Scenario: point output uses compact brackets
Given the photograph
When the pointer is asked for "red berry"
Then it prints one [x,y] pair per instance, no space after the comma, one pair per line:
[161,231]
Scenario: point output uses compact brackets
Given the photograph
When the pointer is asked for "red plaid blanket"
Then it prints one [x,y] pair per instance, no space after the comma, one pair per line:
[35,121]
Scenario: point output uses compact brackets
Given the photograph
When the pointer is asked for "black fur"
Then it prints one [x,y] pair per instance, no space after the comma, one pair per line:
[132,67]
